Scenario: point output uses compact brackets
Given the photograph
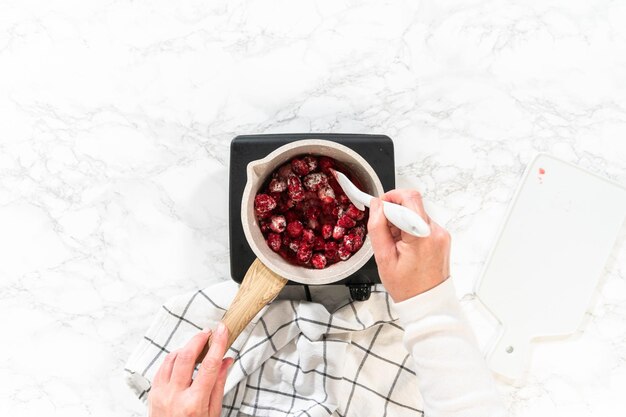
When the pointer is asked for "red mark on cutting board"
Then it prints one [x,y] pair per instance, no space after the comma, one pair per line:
[541,172]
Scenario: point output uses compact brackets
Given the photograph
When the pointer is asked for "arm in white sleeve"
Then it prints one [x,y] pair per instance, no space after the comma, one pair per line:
[453,376]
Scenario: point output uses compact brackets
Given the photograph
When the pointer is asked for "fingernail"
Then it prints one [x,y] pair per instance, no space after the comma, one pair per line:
[206,330]
[229,362]
[221,329]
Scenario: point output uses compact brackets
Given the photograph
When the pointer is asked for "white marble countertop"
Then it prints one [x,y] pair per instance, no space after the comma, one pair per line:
[115,123]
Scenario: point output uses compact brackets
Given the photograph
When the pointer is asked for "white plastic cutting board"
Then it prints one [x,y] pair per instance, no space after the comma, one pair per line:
[549,256]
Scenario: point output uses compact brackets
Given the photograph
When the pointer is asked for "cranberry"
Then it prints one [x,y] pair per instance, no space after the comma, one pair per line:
[278,223]
[318,261]
[308,236]
[346,221]
[293,245]
[330,250]
[295,189]
[285,171]
[277,185]
[274,241]
[358,243]
[311,161]
[338,232]
[352,241]
[319,243]
[294,228]
[327,231]
[344,253]
[304,253]
[326,194]
[299,166]
[354,212]
[315,181]
[264,204]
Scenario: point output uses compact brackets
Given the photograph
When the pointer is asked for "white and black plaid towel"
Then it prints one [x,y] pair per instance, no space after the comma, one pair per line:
[295,358]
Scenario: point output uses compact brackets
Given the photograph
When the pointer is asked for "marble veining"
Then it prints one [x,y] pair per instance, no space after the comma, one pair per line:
[115,123]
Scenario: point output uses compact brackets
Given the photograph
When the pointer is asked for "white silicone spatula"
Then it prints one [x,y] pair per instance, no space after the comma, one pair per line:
[401,217]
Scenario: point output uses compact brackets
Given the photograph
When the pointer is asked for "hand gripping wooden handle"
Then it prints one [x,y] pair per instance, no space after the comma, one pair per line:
[259,287]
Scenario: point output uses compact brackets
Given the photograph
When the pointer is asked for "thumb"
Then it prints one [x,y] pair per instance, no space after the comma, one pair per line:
[382,241]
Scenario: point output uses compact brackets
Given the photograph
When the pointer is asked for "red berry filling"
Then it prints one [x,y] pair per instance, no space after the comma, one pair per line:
[318,261]
[306,217]
[278,223]
[274,241]
[263,205]
[294,228]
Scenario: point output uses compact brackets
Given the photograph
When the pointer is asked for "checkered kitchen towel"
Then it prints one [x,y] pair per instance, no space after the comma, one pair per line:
[295,358]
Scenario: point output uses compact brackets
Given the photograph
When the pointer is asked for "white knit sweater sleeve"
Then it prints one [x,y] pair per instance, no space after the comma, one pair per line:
[453,376]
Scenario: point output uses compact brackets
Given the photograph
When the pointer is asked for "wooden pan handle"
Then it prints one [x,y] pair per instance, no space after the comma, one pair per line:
[259,287]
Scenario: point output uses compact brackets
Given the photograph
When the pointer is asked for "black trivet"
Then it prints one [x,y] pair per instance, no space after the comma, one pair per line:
[375,149]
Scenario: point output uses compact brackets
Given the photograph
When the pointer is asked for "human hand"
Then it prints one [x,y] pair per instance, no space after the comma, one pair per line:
[408,265]
[175,394]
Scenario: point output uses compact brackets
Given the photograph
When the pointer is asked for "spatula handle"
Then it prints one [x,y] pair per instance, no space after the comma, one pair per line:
[259,287]
[406,219]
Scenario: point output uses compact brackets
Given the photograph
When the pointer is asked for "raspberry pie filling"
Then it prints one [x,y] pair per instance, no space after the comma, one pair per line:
[306,217]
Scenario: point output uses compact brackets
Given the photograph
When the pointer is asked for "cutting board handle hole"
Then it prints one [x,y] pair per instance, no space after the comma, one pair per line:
[509,349]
